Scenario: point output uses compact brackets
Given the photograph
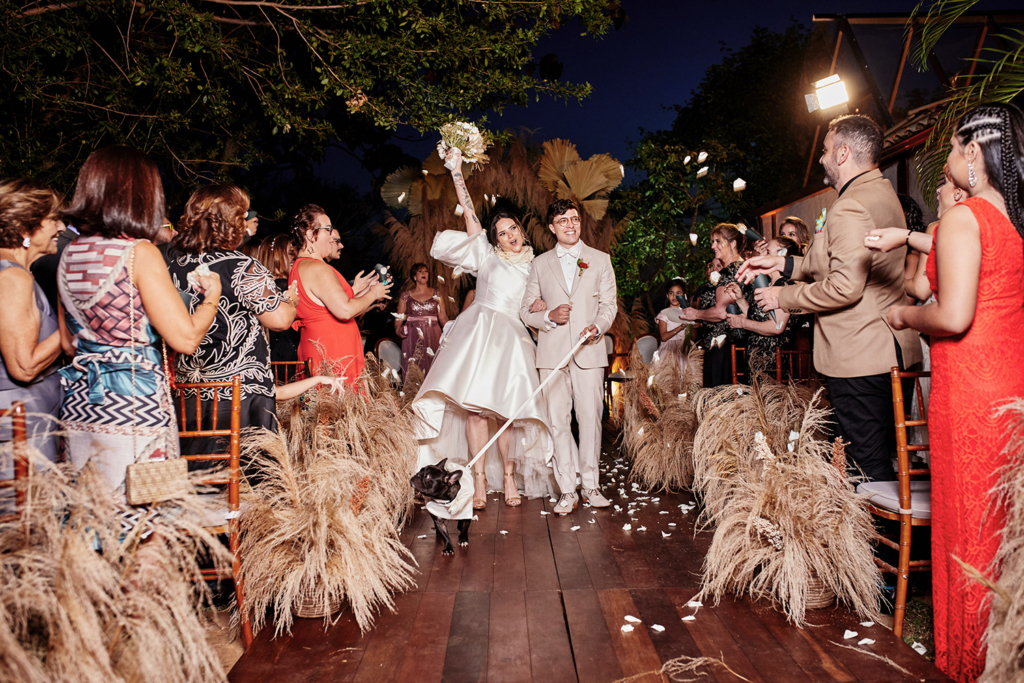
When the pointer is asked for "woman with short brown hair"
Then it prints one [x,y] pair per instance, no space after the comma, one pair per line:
[209,234]
[29,336]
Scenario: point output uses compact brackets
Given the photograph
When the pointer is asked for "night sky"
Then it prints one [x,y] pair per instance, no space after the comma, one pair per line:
[640,71]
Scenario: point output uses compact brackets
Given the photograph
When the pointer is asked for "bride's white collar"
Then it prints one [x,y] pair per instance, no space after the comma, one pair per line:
[525,255]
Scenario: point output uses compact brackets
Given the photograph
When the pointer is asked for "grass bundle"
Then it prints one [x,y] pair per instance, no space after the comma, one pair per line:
[83,600]
[659,421]
[791,517]
[322,522]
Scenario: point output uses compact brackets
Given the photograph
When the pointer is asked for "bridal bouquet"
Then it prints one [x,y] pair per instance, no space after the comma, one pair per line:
[465,137]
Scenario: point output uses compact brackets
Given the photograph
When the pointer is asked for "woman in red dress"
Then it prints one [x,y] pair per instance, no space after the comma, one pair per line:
[325,314]
[976,270]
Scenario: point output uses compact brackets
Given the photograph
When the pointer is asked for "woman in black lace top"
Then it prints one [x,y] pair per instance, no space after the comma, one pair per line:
[728,243]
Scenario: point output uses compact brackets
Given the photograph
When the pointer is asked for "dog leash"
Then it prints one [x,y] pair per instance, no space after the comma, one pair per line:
[515,414]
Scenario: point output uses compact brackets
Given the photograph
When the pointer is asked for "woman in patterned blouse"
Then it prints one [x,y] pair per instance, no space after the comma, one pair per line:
[209,234]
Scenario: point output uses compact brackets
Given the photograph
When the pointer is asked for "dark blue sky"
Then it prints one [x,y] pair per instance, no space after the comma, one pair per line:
[640,71]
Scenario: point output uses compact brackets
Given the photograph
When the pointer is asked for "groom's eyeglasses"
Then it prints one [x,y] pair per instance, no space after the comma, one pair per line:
[562,222]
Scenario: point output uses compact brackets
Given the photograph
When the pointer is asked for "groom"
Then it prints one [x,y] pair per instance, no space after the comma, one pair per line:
[578,282]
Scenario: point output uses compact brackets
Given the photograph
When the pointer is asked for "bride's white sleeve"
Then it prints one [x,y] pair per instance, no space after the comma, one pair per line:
[456,248]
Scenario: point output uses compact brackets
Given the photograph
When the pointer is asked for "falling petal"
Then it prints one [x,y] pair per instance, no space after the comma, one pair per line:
[640,432]
[426,172]
[701,157]
[739,185]
[494,199]
[452,299]
[715,277]
[395,373]
[430,351]
[399,316]
[622,170]
[793,435]
[401,393]
[485,197]
[849,634]
[682,396]
[650,380]
[459,210]
[421,333]
[401,198]
[686,160]
[702,172]
[919,648]
[693,238]
[742,228]
[457,271]
[524,442]
[440,279]
[782,252]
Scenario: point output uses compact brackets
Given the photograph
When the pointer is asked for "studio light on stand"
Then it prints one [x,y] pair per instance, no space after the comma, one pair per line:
[828,93]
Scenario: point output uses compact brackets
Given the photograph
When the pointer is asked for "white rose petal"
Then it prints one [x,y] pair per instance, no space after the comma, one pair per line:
[593,521]
[919,648]
[849,634]
[422,536]
[664,535]
[631,619]
[426,172]
[693,238]
[686,160]
[742,228]
[657,628]
[640,432]
[694,603]
[867,624]
[626,628]
[543,512]
[782,252]
[642,528]
[459,210]
[701,157]
[622,170]
[503,532]
[702,172]
[430,351]
[739,185]
[650,380]
[627,527]
[793,436]
[440,279]
[689,618]
[865,641]
[715,277]
[574,528]
[401,198]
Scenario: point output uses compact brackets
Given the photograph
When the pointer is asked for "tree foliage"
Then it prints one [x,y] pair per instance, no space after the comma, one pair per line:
[208,86]
[667,206]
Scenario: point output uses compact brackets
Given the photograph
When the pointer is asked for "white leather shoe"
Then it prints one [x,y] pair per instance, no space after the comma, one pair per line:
[595,498]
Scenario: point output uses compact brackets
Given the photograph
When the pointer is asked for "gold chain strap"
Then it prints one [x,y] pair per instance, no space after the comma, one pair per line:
[131,322]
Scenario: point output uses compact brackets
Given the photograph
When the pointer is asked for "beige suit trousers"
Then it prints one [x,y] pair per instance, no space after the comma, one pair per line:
[582,388]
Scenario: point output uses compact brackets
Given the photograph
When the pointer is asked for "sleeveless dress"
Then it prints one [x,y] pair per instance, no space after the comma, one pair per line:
[108,417]
[676,348]
[972,375]
[42,397]
[486,364]
[423,331]
[341,344]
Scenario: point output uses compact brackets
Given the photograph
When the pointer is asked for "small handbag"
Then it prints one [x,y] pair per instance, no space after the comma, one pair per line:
[156,480]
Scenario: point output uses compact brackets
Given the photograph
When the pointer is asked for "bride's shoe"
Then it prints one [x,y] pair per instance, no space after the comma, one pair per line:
[510,485]
[479,490]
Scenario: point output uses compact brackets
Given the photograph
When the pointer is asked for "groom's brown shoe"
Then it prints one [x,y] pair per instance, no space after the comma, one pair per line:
[595,498]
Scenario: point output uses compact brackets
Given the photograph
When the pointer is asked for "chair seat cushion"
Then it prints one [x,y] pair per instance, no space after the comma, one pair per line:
[886,495]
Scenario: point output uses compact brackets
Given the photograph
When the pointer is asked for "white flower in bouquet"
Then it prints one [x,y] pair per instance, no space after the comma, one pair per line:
[465,137]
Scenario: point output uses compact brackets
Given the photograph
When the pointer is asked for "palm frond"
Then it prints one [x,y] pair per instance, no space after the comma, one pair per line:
[558,156]
[940,16]
[397,186]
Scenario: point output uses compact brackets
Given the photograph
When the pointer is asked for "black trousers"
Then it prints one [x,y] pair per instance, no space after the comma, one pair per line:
[717,367]
[865,419]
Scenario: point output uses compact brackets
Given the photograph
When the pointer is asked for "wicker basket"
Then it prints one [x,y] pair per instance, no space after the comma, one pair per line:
[818,594]
[308,608]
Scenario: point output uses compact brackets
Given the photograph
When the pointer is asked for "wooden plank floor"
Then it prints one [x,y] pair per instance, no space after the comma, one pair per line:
[542,598]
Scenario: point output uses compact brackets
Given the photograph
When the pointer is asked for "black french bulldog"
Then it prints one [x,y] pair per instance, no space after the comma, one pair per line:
[437,483]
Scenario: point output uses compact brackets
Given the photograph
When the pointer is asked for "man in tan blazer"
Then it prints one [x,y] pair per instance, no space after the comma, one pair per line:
[851,289]
[577,285]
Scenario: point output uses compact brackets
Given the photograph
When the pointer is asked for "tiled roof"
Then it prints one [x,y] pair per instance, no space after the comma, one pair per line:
[917,121]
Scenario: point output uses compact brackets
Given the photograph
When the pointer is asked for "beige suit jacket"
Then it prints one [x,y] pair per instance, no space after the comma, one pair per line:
[594,299]
[851,288]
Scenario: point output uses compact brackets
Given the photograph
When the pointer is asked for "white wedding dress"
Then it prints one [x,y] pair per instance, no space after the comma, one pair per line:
[485,364]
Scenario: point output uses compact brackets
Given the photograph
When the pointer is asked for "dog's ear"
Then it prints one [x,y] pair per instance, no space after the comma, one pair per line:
[453,477]
[442,464]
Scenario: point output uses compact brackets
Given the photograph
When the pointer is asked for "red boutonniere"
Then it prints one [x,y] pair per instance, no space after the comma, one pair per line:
[581,265]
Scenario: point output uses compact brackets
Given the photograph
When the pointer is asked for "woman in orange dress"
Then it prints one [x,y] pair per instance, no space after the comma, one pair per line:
[328,305]
[976,270]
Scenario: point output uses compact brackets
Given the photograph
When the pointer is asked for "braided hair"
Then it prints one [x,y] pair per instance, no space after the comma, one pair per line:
[998,129]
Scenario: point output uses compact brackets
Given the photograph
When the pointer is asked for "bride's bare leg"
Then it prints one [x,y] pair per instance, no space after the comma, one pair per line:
[511,492]
[477,434]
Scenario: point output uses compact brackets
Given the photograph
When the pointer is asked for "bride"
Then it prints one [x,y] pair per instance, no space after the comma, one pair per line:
[485,367]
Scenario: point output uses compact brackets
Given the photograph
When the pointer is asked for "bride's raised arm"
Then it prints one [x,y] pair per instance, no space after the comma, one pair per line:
[465,201]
